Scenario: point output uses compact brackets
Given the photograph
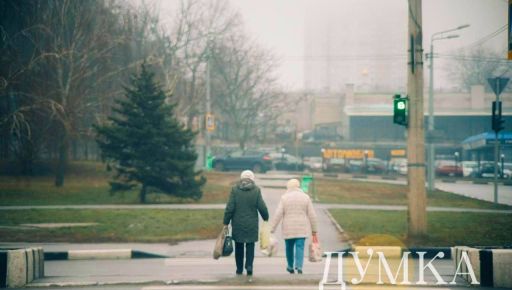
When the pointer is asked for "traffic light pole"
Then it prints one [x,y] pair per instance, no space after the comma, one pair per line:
[208,112]
[496,148]
[416,197]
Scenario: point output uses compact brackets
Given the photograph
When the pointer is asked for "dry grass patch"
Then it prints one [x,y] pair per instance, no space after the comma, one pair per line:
[142,225]
[375,193]
[87,183]
[445,229]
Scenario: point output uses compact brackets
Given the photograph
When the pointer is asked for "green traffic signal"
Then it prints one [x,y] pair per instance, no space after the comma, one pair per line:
[400,106]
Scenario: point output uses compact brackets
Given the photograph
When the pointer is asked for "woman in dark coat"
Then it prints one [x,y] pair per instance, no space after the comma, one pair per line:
[244,203]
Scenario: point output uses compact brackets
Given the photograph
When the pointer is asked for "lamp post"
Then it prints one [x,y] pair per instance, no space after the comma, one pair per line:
[365,164]
[502,159]
[430,144]
[456,156]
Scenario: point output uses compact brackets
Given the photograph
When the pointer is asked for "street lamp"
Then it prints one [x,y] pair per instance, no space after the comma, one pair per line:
[365,161]
[456,155]
[502,159]
[430,144]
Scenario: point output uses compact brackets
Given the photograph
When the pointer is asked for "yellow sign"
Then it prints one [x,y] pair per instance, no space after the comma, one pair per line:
[398,152]
[210,122]
[347,153]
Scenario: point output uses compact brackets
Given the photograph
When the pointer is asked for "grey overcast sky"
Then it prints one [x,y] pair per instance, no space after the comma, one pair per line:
[279,26]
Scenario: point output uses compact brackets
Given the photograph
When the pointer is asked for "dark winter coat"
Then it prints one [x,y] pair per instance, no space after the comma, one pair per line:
[242,209]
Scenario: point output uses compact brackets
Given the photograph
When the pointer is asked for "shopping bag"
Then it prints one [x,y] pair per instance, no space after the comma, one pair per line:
[264,236]
[272,247]
[227,248]
[315,251]
[219,243]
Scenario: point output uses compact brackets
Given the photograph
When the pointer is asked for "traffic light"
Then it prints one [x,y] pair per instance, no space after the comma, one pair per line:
[400,107]
[497,121]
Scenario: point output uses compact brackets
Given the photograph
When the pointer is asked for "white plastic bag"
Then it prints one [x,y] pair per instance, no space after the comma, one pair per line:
[272,247]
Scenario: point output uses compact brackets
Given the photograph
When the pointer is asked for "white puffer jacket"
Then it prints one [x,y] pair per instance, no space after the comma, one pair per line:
[296,212]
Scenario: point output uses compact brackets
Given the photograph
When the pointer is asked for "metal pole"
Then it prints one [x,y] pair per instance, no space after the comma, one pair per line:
[208,109]
[496,148]
[430,144]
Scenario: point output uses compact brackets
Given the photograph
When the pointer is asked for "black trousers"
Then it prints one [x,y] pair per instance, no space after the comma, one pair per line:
[239,257]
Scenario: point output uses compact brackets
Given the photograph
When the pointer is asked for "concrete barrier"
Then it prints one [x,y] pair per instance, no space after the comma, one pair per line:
[492,267]
[19,267]
[100,254]
[502,268]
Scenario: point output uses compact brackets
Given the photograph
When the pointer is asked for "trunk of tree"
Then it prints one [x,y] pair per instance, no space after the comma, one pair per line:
[62,161]
[86,149]
[74,148]
[143,192]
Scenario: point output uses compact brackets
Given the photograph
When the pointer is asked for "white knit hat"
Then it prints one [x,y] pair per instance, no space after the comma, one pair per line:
[247,174]
[293,184]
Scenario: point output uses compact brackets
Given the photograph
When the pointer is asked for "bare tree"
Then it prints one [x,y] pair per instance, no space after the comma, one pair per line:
[476,66]
[199,24]
[245,88]
[64,63]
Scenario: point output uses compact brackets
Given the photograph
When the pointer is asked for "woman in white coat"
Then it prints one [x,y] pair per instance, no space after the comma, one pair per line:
[298,217]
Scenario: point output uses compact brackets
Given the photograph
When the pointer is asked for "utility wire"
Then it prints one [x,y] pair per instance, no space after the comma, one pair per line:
[487,37]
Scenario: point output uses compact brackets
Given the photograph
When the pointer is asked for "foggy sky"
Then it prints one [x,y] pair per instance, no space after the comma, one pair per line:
[279,25]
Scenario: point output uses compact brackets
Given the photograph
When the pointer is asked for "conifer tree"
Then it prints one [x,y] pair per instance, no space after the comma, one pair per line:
[147,145]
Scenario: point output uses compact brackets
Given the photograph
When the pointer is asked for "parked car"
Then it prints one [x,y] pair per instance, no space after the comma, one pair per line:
[397,165]
[355,166]
[487,171]
[313,163]
[286,162]
[254,160]
[448,168]
[468,167]
[335,165]
[374,165]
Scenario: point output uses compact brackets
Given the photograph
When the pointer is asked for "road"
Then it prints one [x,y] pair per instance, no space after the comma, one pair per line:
[479,191]
[253,287]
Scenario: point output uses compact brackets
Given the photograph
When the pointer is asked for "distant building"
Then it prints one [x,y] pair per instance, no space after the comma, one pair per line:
[364,120]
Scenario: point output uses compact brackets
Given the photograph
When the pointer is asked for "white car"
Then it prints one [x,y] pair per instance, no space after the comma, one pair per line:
[313,163]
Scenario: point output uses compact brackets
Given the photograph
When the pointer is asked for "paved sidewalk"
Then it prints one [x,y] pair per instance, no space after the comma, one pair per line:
[206,270]
[222,206]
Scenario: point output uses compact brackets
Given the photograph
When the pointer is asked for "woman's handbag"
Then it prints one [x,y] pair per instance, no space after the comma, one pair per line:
[227,248]
[315,251]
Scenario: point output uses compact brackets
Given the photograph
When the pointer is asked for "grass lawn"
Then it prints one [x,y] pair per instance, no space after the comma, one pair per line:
[361,192]
[151,225]
[87,183]
[373,227]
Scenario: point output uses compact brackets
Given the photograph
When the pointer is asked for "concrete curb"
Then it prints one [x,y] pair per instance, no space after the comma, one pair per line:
[110,254]
[113,283]
[492,267]
[340,230]
[20,266]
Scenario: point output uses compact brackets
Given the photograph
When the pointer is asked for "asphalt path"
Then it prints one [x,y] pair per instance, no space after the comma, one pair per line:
[253,287]
[479,191]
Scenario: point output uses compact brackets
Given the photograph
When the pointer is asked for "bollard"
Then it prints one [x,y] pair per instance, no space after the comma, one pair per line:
[305,182]
[209,162]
